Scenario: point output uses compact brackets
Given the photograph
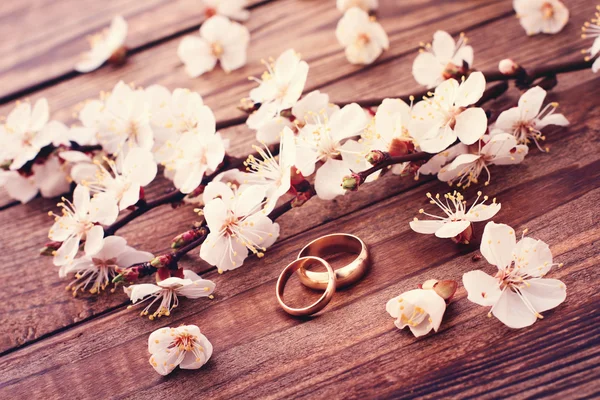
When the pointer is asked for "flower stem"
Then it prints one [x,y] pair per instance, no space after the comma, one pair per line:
[389,161]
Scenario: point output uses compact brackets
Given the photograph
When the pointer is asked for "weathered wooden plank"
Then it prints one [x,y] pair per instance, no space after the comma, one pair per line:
[40,321]
[355,336]
[43,39]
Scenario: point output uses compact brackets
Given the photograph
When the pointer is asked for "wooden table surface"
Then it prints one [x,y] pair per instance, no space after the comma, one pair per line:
[57,346]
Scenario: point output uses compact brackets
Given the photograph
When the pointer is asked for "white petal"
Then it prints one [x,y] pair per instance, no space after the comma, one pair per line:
[215,213]
[471,90]
[249,200]
[532,257]
[426,227]
[512,311]
[497,244]
[39,115]
[544,294]
[67,251]
[483,212]
[427,70]
[348,122]
[328,181]
[443,46]
[198,288]
[103,209]
[554,119]
[93,240]
[481,288]
[471,125]
[531,103]
[139,166]
[452,229]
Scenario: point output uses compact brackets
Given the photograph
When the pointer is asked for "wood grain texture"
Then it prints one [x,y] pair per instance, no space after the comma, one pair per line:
[43,39]
[93,347]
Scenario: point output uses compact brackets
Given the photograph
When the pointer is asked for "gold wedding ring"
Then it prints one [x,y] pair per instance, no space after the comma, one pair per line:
[331,244]
[323,300]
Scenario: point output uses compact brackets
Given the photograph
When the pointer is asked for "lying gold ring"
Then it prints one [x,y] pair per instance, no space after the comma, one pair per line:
[337,242]
[323,300]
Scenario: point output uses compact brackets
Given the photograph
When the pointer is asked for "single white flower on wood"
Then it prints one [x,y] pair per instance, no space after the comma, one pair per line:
[518,293]
[442,59]
[233,9]
[105,46]
[449,115]
[541,16]
[527,120]
[421,310]
[221,40]
[457,221]
[363,38]
[183,346]
[166,292]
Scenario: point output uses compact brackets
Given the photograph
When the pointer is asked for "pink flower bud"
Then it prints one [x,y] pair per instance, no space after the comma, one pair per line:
[508,67]
[375,157]
[50,248]
[351,182]
[186,238]
[164,260]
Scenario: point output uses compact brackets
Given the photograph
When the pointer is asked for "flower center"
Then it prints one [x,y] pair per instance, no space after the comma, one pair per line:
[362,39]
[547,11]
[217,49]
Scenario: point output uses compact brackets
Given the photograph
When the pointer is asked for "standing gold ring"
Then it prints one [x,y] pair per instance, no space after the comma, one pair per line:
[329,244]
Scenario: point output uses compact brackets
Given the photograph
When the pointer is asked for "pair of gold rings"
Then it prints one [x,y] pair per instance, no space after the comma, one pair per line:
[330,280]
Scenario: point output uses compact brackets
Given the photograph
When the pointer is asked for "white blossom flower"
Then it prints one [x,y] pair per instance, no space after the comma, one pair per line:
[435,163]
[592,29]
[196,153]
[446,116]
[220,40]
[527,120]
[24,134]
[390,131]
[184,346]
[322,139]
[541,16]
[104,45]
[363,38]
[123,182]
[97,269]
[518,293]
[500,149]
[91,117]
[173,114]
[237,225]
[420,309]
[78,222]
[167,291]
[366,5]
[275,173]
[457,221]
[442,59]
[283,82]
[125,120]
